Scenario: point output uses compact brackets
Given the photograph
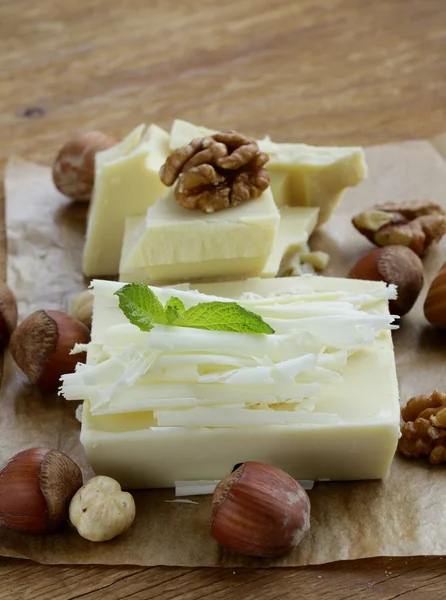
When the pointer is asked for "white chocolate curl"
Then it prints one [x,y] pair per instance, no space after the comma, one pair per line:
[100,510]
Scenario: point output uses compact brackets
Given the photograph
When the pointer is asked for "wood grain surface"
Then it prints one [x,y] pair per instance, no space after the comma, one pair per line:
[320,71]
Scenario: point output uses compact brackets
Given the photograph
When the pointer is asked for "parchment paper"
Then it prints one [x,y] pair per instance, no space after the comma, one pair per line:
[402,515]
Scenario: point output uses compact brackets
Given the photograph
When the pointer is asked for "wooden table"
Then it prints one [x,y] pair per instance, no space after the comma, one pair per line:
[324,72]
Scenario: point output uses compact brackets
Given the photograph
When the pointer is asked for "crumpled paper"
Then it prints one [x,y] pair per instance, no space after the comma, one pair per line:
[402,515]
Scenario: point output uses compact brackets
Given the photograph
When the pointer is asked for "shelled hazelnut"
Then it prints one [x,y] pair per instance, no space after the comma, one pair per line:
[100,510]
[82,308]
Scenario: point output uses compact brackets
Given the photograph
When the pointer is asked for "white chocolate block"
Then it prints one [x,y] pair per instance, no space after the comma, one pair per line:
[295,228]
[126,183]
[175,244]
[348,430]
[301,175]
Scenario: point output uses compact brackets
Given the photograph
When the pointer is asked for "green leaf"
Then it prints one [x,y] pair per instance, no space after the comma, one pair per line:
[223,316]
[143,309]
[141,306]
[174,310]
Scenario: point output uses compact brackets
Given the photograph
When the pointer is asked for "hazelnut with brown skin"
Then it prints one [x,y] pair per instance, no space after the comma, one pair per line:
[396,265]
[41,346]
[435,303]
[8,314]
[259,510]
[36,487]
[73,169]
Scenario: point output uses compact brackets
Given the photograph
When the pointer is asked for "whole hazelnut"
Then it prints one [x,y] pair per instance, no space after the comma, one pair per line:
[396,265]
[41,346]
[100,510]
[73,169]
[259,510]
[435,303]
[82,308]
[8,314]
[36,487]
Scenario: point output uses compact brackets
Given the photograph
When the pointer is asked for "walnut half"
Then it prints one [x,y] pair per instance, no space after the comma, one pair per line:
[216,172]
[424,432]
[416,224]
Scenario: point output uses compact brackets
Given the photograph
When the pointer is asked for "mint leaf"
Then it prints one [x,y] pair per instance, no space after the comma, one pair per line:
[143,309]
[223,316]
[141,306]
[174,310]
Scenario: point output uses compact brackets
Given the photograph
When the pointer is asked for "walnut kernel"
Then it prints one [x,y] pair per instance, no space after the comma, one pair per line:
[416,224]
[424,432]
[216,172]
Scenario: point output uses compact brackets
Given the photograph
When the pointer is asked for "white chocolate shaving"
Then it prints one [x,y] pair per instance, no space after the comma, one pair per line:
[198,378]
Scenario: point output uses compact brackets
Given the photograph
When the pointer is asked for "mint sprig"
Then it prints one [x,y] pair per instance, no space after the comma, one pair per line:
[142,308]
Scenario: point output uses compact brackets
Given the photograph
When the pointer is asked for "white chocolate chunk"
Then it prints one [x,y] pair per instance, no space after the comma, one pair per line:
[175,244]
[302,262]
[295,228]
[182,132]
[126,183]
[319,260]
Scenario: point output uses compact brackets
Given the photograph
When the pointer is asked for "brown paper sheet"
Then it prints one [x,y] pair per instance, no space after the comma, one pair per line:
[399,516]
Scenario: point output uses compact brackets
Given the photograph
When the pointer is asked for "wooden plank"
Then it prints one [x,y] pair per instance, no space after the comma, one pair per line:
[323,72]
[384,578]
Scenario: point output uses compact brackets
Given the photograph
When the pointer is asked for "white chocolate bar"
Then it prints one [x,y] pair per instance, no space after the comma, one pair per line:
[318,398]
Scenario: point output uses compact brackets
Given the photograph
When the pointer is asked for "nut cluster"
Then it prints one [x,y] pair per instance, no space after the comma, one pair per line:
[404,233]
[216,172]
[416,224]
[424,430]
